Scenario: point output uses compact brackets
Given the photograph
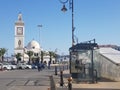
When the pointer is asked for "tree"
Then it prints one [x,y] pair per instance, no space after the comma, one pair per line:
[18,57]
[2,52]
[30,54]
[52,54]
[42,55]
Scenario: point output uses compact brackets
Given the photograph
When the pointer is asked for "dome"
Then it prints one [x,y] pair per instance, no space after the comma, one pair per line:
[33,46]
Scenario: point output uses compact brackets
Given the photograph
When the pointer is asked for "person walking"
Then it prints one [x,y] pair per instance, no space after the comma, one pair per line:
[49,64]
[39,67]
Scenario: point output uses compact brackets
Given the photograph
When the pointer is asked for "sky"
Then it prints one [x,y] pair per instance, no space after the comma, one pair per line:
[99,19]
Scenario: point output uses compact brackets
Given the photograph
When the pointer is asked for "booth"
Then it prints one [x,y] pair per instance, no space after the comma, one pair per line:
[81,61]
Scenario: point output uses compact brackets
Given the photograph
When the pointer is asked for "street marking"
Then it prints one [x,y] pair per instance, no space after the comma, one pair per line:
[10,83]
[26,82]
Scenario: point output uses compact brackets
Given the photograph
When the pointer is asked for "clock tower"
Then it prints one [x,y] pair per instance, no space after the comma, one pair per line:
[19,35]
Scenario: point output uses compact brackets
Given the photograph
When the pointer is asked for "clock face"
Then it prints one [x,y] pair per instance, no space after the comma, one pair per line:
[19,30]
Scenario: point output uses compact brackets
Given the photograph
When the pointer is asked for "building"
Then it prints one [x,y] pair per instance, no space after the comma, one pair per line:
[107,63]
[111,46]
[19,38]
[33,45]
[19,35]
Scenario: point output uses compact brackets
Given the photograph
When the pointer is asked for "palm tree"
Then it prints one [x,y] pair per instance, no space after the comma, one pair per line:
[2,52]
[52,54]
[18,56]
[42,55]
[30,54]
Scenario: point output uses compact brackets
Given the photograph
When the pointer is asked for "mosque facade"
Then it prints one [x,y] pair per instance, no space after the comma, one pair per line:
[19,38]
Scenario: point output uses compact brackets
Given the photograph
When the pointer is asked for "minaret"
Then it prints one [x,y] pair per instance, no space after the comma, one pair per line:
[19,35]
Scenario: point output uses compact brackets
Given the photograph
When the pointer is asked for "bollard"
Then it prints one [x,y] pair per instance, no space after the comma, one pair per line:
[55,70]
[70,83]
[52,83]
[61,78]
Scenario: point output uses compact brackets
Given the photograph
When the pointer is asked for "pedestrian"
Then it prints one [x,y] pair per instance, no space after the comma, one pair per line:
[39,67]
[42,65]
[49,64]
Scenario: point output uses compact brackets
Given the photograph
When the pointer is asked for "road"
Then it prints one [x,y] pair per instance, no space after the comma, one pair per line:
[34,80]
[87,89]
[25,80]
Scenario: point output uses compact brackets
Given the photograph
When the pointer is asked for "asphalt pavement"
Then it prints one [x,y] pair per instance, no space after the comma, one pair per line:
[34,80]
[25,79]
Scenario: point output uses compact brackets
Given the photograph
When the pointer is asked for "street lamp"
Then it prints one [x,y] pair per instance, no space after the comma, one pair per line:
[7,55]
[64,9]
[39,26]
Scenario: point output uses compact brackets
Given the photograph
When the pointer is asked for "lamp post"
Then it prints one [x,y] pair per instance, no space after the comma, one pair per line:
[7,55]
[39,26]
[64,9]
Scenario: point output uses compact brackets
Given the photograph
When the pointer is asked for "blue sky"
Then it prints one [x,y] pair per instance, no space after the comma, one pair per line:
[99,19]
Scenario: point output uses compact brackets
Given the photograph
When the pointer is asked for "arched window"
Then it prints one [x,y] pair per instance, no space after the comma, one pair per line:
[19,43]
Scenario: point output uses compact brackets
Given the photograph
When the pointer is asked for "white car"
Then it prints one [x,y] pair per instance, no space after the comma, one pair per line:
[6,66]
[28,66]
[23,66]
[1,66]
[12,66]
[9,66]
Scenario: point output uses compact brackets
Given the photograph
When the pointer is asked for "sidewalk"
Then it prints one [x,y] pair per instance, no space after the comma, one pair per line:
[101,85]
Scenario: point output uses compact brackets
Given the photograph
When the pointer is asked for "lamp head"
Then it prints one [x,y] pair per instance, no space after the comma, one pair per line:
[64,9]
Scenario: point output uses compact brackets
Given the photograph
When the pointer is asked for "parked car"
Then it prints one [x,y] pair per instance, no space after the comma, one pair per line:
[23,66]
[13,66]
[0,66]
[6,66]
[28,66]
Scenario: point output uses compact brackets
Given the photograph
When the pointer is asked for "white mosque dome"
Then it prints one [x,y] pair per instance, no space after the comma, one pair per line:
[33,46]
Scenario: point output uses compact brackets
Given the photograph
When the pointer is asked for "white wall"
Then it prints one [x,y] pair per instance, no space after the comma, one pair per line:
[106,67]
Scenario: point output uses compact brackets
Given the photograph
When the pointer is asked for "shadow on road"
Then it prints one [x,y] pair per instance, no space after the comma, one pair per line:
[105,80]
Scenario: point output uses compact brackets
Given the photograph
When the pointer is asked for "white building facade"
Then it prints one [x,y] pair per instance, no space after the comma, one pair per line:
[19,47]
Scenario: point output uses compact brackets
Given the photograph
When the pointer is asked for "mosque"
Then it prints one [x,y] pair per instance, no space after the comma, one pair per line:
[19,46]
